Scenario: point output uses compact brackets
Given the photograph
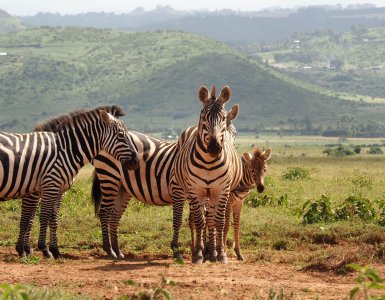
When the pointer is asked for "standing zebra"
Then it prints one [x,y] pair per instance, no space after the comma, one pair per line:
[112,187]
[206,169]
[254,168]
[44,163]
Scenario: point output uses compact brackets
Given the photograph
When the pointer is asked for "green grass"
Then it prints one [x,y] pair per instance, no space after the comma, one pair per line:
[26,292]
[269,232]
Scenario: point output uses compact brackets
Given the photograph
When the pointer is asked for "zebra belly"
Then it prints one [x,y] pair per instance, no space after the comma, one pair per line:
[152,191]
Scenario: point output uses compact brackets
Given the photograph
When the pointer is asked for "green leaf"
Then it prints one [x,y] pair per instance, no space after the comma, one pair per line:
[166,295]
[353,292]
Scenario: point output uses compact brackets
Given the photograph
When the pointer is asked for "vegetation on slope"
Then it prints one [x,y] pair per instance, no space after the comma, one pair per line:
[9,23]
[350,62]
[154,76]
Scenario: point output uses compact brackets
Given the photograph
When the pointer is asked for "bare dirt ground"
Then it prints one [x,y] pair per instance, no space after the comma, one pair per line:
[90,273]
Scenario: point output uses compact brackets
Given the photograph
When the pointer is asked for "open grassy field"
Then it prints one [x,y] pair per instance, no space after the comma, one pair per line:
[304,250]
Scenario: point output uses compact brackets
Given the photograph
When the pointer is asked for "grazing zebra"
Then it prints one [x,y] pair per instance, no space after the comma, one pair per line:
[254,168]
[206,169]
[112,187]
[44,163]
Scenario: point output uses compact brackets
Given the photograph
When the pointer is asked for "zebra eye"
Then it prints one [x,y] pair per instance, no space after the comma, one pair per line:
[206,138]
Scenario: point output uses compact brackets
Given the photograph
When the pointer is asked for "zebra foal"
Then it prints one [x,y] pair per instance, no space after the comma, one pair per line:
[254,169]
[42,165]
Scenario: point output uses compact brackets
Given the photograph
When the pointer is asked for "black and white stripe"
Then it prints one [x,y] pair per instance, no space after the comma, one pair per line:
[254,168]
[206,169]
[113,187]
[44,163]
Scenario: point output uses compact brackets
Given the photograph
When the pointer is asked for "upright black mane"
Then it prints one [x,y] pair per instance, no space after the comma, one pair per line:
[62,121]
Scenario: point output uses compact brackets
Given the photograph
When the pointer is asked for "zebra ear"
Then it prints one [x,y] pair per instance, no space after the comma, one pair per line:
[266,154]
[204,94]
[106,117]
[233,113]
[246,156]
[225,95]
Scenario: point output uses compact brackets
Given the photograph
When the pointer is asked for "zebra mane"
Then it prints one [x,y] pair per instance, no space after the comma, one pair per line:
[63,121]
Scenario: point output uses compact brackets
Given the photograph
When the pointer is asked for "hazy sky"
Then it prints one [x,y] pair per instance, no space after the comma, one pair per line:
[30,7]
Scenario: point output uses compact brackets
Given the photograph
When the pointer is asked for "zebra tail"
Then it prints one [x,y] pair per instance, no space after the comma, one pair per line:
[96,194]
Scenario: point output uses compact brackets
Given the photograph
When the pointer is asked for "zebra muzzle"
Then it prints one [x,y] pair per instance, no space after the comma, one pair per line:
[214,148]
[130,164]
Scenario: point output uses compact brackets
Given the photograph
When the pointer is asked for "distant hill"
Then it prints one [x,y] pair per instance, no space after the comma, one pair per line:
[155,76]
[234,28]
[352,62]
[9,23]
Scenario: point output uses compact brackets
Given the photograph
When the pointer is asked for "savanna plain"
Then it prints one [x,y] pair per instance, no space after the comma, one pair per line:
[317,232]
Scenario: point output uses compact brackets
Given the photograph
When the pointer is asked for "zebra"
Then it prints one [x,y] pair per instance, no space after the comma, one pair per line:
[254,169]
[112,187]
[42,165]
[206,169]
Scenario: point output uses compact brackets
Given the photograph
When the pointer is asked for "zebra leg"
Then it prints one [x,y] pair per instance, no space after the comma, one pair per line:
[220,216]
[200,223]
[237,218]
[105,215]
[53,223]
[46,211]
[110,190]
[28,210]
[192,229]
[177,209]
[227,221]
[210,252]
[120,206]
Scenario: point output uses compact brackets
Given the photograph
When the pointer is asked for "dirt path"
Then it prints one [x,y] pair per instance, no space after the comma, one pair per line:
[90,274]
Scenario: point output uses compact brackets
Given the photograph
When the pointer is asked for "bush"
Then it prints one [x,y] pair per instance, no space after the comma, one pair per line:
[340,151]
[296,173]
[375,150]
[357,149]
[319,210]
[355,206]
[256,200]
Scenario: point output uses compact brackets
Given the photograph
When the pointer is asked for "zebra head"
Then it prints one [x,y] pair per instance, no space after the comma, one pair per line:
[256,166]
[212,122]
[117,142]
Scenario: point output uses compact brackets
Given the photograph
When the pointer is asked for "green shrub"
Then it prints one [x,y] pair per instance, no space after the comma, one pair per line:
[255,200]
[357,149]
[296,173]
[368,282]
[318,210]
[340,151]
[375,150]
[356,207]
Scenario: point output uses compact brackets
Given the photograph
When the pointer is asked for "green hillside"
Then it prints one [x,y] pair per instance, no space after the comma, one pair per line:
[352,62]
[153,75]
[9,23]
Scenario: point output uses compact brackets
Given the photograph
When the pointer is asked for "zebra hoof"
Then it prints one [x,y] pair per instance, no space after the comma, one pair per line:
[120,255]
[20,250]
[240,256]
[112,255]
[222,258]
[55,252]
[47,254]
[198,258]
[28,250]
[177,256]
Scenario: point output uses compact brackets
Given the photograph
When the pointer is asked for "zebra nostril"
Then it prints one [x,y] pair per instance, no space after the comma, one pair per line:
[260,188]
